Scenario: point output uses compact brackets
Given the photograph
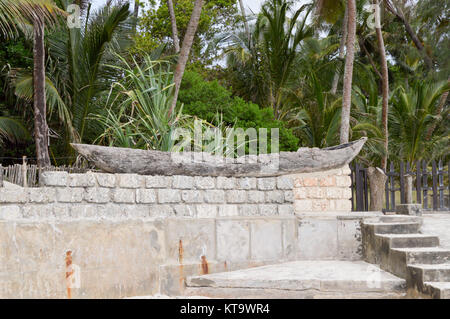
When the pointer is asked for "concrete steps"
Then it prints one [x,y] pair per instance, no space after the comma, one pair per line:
[300,279]
[408,240]
[396,244]
[438,290]
[394,228]
[429,273]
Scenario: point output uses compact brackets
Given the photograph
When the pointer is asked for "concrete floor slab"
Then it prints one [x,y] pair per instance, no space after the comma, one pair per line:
[318,275]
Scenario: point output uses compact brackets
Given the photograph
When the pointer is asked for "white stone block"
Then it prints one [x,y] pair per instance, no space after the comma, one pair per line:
[145,196]
[192,196]
[82,180]
[206,211]
[236,196]
[202,182]
[275,197]
[247,182]
[97,195]
[285,182]
[248,210]
[214,196]
[256,197]
[10,212]
[266,183]
[228,210]
[41,194]
[226,182]
[130,180]
[19,195]
[105,180]
[183,182]
[169,196]
[286,210]
[54,178]
[124,195]
[268,210]
[158,181]
[69,194]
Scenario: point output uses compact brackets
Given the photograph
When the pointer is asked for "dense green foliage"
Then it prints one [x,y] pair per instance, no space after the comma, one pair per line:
[208,99]
[111,84]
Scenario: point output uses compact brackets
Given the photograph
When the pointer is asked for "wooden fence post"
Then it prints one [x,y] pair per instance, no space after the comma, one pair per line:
[425,185]
[386,189]
[418,183]
[392,182]
[1,175]
[441,185]
[352,173]
[434,185]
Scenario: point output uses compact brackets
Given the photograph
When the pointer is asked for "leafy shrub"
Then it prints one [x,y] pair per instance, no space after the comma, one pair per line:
[208,99]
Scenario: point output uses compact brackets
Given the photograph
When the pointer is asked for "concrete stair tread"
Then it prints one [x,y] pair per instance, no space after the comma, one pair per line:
[406,235]
[443,285]
[331,276]
[443,266]
[422,249]
[391,224]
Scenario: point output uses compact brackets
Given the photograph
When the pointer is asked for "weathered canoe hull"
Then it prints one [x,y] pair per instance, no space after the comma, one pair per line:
[149,162]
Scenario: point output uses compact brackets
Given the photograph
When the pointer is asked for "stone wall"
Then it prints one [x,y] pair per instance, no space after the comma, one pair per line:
[327,191]
[139,235]
[81,195]
[121,195]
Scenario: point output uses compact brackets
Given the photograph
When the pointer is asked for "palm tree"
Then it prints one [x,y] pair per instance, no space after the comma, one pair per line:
[385,83]
[173,21]
[247,29]
[14,14]
[317,120]
[19,13]
[185,50]
[12,130]
[397,11]
[76,76]
[39,100]
[348,72]
[281,37]
[413,113]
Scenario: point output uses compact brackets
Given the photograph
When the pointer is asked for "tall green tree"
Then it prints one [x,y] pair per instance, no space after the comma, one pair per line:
[281,36]
[185,50]
[348,72]
[413,113]
[76,78]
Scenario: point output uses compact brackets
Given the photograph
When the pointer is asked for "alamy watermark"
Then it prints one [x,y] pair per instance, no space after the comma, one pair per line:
[374,19]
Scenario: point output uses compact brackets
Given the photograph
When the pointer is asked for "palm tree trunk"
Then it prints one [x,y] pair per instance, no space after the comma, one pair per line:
[135,15]
[398,12]
[173,21]
[384,87]
[185,50]
[247,29]
[39,103]
[369,57]
[348,73]
[341,51]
